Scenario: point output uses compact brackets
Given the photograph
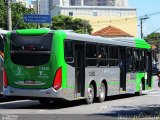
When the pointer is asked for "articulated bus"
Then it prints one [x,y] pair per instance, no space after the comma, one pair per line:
[50,65]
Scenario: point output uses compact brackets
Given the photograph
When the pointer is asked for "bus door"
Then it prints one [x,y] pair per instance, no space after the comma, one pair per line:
[79,71]
[122,64]
[149,68]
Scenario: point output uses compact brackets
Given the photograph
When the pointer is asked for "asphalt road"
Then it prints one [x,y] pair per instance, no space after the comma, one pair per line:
[127,106]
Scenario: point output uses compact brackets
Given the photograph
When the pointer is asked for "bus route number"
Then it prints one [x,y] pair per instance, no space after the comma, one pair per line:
[44,68]
[92,73]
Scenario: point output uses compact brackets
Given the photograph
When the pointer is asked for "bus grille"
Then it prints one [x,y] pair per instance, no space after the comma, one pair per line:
[30,59]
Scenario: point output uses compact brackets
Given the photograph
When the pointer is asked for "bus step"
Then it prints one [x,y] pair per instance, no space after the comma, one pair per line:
[122,91]
[77,95]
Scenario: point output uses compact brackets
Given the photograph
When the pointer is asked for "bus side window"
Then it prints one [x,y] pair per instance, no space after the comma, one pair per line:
[113,56]
[91,54]
[136,60]
[68,51]
[102,55]
[130,60]
[2,37]
[142,60]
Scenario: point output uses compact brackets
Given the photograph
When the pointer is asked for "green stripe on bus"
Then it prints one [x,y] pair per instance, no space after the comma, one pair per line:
[114,83]
[141,43]
[58,50]
[139,77]
[32,31]
[130,81]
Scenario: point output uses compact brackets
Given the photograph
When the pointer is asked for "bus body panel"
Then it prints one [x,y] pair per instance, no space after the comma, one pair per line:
[38,77]
[109,74]
[131,82]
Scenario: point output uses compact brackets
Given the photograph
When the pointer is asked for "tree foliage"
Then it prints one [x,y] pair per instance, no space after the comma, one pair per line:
[67,22]
[154,39]
[18,11]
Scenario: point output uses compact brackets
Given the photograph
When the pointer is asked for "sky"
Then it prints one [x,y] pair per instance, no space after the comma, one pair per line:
[145,7]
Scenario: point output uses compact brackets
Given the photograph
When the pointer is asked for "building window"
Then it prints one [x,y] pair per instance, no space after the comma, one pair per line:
[95,14]
[70,13]
[72,2]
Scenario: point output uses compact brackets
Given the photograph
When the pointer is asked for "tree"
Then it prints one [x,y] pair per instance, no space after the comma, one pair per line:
[3,17]
[154,39]
[66,22]
[18,11]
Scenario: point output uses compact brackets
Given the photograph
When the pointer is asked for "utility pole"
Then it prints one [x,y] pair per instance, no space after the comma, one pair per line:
[37,11]
[141,22]
[9,18]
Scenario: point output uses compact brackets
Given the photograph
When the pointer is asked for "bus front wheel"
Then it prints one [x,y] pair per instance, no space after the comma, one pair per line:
[90,95]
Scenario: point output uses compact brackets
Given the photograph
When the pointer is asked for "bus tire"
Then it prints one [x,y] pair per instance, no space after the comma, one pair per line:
[102,92]
[139,93]
[90,95]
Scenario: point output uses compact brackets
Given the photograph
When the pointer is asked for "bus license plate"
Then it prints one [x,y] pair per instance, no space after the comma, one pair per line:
[29,81]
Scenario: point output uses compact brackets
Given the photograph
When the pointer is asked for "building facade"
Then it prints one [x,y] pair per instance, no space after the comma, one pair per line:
[120,3]
[101,16]
[23,2]
[100,13]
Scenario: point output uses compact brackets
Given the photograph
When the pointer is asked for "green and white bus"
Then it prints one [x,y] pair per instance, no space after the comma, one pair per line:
[48,65]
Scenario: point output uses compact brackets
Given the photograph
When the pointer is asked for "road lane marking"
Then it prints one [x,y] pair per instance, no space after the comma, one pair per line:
[151,91]
[105,107]
[18,101]
[155,92]
[42,110]
[154,95]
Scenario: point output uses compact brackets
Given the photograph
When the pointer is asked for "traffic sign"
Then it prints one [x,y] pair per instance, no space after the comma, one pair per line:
[36,18]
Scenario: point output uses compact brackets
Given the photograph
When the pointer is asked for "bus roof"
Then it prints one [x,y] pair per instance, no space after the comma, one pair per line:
[32,31]
[3,31]
[121,41]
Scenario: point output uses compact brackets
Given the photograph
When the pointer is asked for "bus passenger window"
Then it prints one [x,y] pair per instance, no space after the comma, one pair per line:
[136,60]
[68,50]
[91,54]
[113,56]
[142,60]
[103,55]
[130,66]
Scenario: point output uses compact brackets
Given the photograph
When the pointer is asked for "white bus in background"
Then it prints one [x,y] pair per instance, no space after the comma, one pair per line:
[2,37]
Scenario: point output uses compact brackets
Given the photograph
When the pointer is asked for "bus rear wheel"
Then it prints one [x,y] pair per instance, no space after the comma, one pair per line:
[90,95]
[102,92]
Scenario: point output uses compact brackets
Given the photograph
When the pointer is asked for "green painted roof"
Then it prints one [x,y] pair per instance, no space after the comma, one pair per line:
[32,31]
[141,43]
